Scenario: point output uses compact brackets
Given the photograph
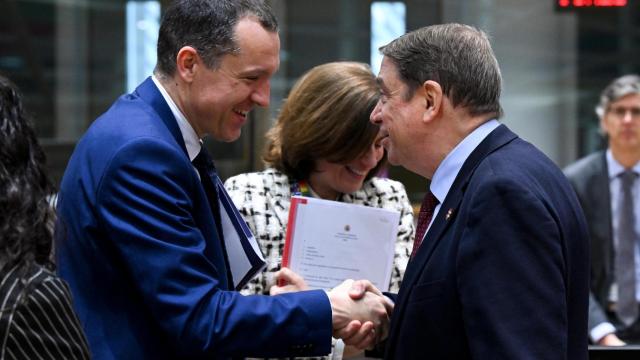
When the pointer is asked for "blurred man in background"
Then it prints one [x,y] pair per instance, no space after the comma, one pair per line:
[608,189]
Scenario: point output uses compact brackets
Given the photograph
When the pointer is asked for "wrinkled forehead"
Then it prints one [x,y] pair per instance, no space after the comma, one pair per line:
[257,47]
[389,76]
[630,99]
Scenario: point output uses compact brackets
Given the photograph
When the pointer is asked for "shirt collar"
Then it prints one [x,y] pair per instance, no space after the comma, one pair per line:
[191,140]
[447,171]
[615,168]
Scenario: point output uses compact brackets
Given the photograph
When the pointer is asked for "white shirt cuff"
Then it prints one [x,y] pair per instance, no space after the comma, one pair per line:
[600,331]
[338,350]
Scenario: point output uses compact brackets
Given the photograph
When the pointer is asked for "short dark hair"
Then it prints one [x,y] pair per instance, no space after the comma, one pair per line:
[325,117]
[26,216]
[458,57]
[208,26]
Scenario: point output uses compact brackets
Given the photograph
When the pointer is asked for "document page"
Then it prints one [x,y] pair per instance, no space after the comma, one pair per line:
[328,242]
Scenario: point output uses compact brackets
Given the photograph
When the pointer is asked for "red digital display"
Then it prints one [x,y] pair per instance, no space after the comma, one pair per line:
[590,3]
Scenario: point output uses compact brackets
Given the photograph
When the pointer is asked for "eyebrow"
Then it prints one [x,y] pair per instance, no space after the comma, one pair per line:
[254,71]
[381,84]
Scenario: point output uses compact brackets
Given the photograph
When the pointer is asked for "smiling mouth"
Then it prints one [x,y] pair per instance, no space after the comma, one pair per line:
[357,172]
[241,113]
[385,139]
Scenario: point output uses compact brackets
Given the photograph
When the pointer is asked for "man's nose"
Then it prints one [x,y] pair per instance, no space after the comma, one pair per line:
[628,116]
[262,94]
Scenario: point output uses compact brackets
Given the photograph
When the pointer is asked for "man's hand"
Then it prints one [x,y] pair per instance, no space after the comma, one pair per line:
[611,340]
[360,287]
[291,282]
[359,313]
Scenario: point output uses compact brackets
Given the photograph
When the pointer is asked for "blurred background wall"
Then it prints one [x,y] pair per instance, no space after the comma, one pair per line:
[73,58]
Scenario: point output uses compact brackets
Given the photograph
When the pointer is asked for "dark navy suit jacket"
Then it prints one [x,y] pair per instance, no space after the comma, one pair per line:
[503,270]
[138,245]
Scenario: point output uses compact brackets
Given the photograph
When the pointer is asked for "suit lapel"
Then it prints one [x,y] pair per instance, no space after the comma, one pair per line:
[149,93]
[449,209]
[445,217]
[600,193]
[601,198]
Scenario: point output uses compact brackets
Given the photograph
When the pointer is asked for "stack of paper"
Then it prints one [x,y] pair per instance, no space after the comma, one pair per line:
[328,242]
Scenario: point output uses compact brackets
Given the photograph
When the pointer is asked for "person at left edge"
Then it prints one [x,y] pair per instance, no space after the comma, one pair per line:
[136,236]
[36,319]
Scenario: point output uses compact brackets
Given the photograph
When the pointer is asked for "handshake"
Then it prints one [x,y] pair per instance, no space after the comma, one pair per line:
[360,312]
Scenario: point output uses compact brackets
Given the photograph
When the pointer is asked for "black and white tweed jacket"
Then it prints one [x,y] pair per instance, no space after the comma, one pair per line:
[263,199]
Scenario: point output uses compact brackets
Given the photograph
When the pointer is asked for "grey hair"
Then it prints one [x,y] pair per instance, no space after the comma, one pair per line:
[618,88]
[208,26]
[458,57]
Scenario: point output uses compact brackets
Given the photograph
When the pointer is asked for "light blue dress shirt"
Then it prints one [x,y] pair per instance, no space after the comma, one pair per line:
[449,168]
[614,169]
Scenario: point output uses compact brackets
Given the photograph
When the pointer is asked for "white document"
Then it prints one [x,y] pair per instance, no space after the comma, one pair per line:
[328,242]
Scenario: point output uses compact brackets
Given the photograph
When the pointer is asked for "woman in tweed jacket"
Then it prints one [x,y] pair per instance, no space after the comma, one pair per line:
[323,145]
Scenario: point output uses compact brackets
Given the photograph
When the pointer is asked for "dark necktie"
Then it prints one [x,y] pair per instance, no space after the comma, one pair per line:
[209,178]
[627,305]
[429,204]
[237,237]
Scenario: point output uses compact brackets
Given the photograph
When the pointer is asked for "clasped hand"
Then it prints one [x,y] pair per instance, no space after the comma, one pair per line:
[360,312]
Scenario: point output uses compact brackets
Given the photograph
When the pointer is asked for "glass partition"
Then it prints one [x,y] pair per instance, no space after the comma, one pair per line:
[73,58]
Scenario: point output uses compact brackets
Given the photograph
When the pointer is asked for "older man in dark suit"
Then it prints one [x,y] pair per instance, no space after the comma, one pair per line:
[501,270]
[612,210]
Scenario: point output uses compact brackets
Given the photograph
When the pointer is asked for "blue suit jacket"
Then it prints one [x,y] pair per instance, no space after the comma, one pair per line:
[503,270]
[137,243]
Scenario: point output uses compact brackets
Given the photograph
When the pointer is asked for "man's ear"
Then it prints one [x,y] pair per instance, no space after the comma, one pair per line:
[603,126]
[187,63]
[432,92]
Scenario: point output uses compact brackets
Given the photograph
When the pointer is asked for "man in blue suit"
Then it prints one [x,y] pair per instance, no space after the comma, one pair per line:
[502,272]
[139,237]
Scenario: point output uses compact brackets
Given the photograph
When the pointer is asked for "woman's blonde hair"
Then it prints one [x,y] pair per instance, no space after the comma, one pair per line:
[326,116]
